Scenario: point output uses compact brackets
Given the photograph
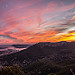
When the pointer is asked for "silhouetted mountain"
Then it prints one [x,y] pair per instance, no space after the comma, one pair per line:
[3,47]
[57,52]
[6,52]
[21,45]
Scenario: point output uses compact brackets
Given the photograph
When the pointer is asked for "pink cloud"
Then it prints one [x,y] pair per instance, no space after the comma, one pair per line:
[27,20]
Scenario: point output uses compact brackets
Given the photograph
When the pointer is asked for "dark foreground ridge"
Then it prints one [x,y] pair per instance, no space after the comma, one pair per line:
[43,58]
[57,52]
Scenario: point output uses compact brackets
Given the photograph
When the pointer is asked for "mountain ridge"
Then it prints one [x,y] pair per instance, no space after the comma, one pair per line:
[54,51]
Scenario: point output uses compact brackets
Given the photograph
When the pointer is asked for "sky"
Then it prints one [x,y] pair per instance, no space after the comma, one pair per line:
[33,21]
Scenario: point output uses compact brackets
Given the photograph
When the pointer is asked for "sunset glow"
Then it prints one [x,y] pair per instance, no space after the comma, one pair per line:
[32,21]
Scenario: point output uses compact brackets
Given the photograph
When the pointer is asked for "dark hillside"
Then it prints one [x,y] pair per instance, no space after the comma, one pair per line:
[57,52]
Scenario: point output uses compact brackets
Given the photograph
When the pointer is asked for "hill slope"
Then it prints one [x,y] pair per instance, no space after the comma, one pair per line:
[54,51]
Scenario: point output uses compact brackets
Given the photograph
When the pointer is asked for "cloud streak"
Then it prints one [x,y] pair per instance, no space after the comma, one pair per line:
[33,21]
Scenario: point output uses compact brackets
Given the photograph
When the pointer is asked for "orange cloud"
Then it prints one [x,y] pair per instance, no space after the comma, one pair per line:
[73,17]
[33,22]
[66,37]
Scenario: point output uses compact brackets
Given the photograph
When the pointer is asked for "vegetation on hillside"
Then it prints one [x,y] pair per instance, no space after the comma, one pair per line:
[40,67]
[11,70]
